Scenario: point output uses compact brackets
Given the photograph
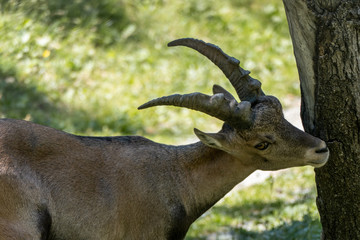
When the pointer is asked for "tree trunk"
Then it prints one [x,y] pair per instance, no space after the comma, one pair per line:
[326,39]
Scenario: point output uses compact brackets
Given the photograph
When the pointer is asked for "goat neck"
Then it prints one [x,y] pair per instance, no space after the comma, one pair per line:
[208,174]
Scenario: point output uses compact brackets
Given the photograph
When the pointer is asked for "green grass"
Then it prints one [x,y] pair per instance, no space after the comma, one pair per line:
[84,66]
[282,207]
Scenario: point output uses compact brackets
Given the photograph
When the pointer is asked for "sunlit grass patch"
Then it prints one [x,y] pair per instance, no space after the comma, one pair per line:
[282,207]
[96,62]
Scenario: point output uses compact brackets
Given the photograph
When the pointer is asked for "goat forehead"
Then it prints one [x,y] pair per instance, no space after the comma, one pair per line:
[268,119]
[268,112]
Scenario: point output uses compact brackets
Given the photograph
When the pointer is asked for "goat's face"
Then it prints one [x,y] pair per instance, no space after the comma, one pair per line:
[259,135]
[271,143]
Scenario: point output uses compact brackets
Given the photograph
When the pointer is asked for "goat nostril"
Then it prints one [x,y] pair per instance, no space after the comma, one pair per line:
[322,150]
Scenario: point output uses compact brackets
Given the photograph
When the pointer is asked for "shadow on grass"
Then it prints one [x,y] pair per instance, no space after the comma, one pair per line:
[24,101]
[18,100]
[256,209]
[306,229]
[107,18]
[277,218]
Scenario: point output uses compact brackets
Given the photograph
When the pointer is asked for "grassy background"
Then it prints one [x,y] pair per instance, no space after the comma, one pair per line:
[282,207]
[84,66]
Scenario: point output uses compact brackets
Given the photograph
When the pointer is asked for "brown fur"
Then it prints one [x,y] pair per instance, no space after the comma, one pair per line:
[55,185]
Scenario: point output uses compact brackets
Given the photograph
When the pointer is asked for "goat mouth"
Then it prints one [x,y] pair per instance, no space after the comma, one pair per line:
[318,159]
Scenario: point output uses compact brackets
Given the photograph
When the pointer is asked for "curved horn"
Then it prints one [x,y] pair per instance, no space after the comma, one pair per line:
[218,89]
[247,88]
[237,115]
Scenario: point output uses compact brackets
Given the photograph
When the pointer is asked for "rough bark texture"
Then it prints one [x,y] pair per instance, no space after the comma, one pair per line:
[326,38]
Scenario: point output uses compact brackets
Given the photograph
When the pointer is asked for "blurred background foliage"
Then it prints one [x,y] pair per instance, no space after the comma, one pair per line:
[84,66]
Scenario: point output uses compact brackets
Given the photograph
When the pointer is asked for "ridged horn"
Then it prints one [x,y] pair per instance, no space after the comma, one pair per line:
[218,106]
[247,88]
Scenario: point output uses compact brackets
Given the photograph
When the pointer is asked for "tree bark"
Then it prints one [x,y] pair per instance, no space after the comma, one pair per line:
[326,39]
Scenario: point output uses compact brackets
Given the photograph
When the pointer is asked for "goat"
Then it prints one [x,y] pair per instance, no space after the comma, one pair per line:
[55,185]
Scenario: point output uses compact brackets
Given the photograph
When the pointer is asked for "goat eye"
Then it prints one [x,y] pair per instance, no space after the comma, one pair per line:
[262,145]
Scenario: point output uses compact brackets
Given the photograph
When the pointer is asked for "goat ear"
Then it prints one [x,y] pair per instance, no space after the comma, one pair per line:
[214,140]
